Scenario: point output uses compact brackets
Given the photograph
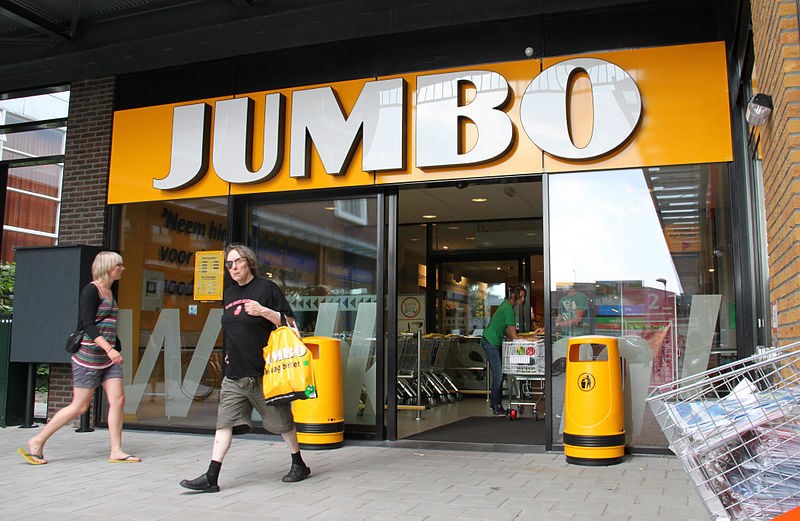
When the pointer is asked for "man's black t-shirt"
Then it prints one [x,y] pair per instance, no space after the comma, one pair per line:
[245,335]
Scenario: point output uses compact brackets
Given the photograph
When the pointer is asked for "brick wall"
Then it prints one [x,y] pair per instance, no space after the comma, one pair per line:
[83,197]
[87,156]
[777,73]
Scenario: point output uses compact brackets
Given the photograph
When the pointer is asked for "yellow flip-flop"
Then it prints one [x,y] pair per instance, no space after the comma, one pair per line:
[126,459]
[33,459]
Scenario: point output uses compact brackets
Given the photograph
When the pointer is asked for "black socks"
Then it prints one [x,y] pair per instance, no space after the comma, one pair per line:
[297,459]
[215,466]
[213,471]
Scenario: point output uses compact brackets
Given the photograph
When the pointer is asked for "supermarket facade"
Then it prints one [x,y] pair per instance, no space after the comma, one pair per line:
[401,183]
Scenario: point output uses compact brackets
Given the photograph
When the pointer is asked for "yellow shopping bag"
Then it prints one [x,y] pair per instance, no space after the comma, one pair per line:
[288,368]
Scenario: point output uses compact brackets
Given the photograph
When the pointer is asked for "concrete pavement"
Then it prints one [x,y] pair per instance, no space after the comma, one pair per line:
[360,481]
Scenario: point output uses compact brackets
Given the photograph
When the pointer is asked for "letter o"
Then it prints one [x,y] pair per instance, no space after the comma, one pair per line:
[615,97]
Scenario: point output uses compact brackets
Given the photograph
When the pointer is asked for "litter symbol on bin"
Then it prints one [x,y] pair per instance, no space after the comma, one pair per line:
[586,382]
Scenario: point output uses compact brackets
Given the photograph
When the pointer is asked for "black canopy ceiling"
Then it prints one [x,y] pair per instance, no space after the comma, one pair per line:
[43,42]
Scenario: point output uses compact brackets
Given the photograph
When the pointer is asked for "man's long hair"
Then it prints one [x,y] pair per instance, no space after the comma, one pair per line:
[247,254]
[516,291]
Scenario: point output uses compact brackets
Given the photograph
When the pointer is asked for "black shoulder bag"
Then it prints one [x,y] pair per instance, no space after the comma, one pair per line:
[74,338]
[74,341]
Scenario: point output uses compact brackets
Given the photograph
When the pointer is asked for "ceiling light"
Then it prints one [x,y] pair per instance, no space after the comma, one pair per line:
[330,207]
[429,216]
[479,199]
[711,270]
[445,247]
[469,238]
[454,227]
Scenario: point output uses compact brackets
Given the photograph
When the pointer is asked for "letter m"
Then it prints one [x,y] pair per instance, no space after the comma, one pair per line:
[166,334]
[318,117]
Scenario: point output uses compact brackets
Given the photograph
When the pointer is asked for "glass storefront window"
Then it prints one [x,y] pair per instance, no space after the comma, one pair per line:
[644,255]
[32,207]
[33,193]
[323,255]
[171,343]
[40,107]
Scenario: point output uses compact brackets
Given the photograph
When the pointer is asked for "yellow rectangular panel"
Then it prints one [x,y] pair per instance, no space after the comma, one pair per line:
[685,119]
[685,114]
[141,145]
[209,271]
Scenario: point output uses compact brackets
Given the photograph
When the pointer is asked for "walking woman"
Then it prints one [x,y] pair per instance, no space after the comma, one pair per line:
[96,363]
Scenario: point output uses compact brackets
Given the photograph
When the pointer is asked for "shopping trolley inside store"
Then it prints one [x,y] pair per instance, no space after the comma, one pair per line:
[421,365]
[736,430]
[523,366]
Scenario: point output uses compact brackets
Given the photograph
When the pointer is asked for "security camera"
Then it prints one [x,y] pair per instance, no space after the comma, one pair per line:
[529,51]
[758,109]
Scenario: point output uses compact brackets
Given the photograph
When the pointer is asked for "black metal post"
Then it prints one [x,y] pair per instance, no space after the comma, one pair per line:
[30,398]
[86,424]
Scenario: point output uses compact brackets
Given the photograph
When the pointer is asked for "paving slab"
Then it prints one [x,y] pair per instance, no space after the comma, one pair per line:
[360,480]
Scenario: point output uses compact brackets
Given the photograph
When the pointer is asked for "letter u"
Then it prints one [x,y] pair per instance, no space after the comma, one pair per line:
[233,139]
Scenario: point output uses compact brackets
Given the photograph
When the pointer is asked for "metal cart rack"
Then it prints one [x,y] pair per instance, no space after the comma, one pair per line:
[736,429]
[523,365]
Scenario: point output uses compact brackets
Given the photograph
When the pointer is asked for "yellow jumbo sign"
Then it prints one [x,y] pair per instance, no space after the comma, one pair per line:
[612,110]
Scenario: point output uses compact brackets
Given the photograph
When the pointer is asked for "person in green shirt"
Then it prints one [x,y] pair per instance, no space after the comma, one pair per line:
[573,314]
[502,325]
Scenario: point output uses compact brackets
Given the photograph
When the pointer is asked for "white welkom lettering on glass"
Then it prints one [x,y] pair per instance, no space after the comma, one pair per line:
[359,373]
[378,116]
[166,334]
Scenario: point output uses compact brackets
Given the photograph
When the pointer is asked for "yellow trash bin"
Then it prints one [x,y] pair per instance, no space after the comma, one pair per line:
[594,414]
[320,421]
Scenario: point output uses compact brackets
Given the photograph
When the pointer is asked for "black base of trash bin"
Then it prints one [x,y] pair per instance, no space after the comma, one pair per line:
[320,435]
[594,462]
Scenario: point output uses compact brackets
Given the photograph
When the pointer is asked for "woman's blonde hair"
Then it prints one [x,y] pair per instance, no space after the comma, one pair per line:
[103,263]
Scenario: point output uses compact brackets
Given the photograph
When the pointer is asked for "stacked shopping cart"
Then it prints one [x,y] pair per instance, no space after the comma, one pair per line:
[736,429]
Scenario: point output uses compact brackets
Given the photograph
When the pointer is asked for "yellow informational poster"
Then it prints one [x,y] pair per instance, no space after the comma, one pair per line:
[208,274]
